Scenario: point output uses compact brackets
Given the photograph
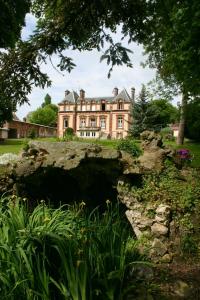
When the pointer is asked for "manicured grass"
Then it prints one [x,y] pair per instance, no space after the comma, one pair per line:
[107,143]
[16,145]
[11,146]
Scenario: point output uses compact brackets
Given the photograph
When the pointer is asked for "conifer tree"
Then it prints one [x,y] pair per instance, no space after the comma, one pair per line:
[143,114]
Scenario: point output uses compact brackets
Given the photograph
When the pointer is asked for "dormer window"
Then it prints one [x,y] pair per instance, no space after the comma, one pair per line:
[120,105]
[103,106]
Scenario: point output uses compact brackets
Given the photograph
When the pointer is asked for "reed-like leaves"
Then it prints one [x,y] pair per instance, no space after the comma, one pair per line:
[63,253]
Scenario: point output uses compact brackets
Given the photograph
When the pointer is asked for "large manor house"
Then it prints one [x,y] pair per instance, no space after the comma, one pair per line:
[96,117]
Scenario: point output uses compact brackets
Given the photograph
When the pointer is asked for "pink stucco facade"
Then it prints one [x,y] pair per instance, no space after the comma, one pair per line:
[98,117]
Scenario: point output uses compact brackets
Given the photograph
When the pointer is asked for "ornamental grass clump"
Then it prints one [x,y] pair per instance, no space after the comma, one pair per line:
[64,253]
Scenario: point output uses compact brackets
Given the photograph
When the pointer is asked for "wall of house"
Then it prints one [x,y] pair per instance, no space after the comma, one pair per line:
[88,110]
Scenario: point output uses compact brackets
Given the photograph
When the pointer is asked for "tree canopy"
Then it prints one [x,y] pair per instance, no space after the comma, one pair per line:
[46,114]
[12,15]
[43,116]
[166,112]
[169,31]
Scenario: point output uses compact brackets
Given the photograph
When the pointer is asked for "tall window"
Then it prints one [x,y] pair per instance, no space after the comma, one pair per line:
[120,122]
[65,122]
[92,122]
[103,106]
[103,123]
[120,105]
[82,123]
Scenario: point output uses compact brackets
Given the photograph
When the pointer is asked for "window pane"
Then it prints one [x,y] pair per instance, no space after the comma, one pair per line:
[120,122]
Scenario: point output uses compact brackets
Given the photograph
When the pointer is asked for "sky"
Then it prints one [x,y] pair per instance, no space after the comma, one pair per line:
[89,74]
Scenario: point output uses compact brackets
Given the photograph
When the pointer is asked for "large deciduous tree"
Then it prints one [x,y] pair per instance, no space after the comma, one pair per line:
[12,16]
[168,29]
[44,116]
[166,112]
[173,47]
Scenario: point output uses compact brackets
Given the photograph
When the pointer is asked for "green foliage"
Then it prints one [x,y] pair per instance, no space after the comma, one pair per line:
[164,30]
[143,114]
[166,112]
[167,134]
[44,116]
[172,188]
[64,253]
[189,245]
[32,134]
[54,107]
[129,146]
[47,100]
[192,129]
[172,47]
[69,131]
[19,71]
[12,15]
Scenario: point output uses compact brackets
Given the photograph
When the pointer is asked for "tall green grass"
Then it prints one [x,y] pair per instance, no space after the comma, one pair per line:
[64,253]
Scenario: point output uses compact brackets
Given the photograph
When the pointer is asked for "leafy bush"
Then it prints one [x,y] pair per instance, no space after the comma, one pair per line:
[69,131]
[167,134]
[64,253]
[189,245]
[129,146]
[32,134]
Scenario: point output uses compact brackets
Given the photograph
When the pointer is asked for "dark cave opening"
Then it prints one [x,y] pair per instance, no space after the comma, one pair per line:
[93,182]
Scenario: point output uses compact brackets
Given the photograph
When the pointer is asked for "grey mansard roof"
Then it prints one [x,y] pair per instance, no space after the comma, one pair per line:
[73,97]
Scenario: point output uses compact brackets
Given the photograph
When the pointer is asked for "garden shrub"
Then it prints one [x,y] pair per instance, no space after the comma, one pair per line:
[32,134]
[189,245]
[167,134]
[129,146]
[69,131]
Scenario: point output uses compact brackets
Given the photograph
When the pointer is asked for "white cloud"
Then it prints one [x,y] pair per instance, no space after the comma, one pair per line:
[90,74]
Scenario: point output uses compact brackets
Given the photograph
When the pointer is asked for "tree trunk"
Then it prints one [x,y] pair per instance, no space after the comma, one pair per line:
[181,129]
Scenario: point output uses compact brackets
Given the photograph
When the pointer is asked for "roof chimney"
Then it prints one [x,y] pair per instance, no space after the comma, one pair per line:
[66,92]
[115,91]
[82,94]
[133,94]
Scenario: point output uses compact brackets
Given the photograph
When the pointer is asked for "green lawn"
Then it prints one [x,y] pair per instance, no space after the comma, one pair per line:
[11,146]
[16,145]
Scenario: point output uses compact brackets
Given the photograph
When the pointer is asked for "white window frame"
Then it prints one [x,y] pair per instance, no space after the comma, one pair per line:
[120,122]
[93,133]
[82,124]
[93,123]
[64,120]
[103,123]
